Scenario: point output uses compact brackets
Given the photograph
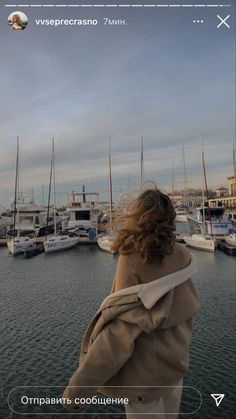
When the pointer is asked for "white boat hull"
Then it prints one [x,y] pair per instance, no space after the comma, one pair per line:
[105,242]
[201,242]
[181,219]
[217,228]
[231,239]
[19,245]
[59,243]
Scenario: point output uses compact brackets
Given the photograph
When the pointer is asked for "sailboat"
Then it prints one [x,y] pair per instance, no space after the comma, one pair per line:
[141,166]
[202,241]
[181,214]
[59,241]
[105,241]
[17,244]
[181,211]
[231,238]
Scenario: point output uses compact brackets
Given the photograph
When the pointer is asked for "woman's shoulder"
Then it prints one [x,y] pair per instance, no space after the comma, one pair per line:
[179,257]
[127,272]
[131,261]
[181,254]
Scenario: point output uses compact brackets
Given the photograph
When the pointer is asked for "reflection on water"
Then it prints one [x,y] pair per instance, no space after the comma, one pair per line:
[47,302]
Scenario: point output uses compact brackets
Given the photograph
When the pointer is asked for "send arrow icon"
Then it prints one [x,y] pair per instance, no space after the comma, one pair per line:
[218,398]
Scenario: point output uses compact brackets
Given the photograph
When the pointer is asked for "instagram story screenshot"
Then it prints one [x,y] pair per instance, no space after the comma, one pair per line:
[117,209]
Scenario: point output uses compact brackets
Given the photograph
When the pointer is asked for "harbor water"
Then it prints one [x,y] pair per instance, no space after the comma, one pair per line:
[48,301]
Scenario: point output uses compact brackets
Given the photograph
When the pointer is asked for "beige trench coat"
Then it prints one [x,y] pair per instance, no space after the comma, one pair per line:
[140,336]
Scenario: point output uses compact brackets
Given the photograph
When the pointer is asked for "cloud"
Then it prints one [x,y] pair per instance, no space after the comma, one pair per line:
[169,84]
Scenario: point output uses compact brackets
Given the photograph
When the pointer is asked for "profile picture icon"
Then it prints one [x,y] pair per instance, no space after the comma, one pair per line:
[17,21]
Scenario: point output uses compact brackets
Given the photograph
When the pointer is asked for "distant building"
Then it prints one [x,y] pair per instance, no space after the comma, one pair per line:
[226,197]
[192,198]
[231,185]
[221,192]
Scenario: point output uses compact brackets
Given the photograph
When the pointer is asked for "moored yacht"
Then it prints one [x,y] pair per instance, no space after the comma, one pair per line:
[19,245]
[105,241]
[231,239]
[32,221]
[201,241]
[210,220]
[181,215]
[83,210]
[60,242]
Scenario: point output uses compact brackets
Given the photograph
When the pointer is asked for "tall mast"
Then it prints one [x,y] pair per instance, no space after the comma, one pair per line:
[207,195]
[43,194]
[204,172]
[49,195]
[16,198]
[110,180]
[173,181]
[18,193]
[32,195]
[141,162]
[54,187]
[203,197]
[129,188]
[234,164]
[185,177]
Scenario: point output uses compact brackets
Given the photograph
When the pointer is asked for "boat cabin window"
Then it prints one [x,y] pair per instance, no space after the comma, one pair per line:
[213,213]
[36,220]
[26,219]
[82,215]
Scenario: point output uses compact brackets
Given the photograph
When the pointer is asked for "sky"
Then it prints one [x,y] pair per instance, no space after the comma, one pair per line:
[160,76]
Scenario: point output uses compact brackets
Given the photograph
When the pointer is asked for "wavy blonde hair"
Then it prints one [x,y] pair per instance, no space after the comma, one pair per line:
[18,20]
[149,228]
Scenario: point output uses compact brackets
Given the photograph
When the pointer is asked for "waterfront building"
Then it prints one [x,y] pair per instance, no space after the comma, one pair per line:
[221,192]
[231,185]
[227,200]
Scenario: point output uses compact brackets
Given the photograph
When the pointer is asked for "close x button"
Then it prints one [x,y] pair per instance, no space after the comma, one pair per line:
[223,21]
